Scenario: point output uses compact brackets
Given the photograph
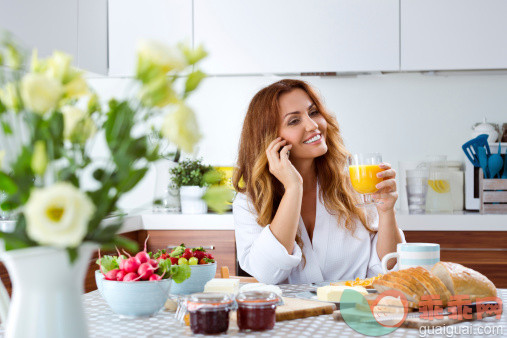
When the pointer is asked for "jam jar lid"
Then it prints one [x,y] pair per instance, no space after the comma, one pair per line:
[258,298]
[212,300]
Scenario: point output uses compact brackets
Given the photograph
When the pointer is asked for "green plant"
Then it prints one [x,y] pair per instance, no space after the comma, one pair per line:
[190,173]
[49,117]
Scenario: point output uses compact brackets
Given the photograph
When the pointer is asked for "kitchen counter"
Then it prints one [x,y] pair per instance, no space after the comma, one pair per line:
[102,322]
[459,221]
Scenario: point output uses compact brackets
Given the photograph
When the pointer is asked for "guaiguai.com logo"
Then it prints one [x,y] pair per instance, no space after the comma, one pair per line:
[384,315]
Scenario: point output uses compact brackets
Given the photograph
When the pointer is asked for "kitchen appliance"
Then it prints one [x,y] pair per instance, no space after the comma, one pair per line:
[472,179]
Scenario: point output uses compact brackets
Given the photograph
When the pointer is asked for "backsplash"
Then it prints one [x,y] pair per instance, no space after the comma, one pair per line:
[404,116]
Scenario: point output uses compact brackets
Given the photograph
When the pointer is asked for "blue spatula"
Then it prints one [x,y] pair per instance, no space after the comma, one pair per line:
[471,148]
[483,161]
[504,175]
[495,163]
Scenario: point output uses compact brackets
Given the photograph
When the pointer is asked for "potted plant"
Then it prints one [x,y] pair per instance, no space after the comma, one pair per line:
[190,176]
[48,118]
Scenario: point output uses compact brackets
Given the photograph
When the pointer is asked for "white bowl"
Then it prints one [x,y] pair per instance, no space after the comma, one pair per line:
[134,299]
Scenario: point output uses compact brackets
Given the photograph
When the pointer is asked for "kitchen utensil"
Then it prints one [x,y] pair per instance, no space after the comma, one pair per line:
[483,160]
[486,128]
[470,148]
[504,175]
[495,163]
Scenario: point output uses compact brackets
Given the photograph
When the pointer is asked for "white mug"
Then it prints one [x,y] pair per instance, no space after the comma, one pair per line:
[411,255]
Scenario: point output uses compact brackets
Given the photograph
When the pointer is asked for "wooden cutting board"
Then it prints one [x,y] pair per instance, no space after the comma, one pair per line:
[295,308]
[301,308]
[416,322]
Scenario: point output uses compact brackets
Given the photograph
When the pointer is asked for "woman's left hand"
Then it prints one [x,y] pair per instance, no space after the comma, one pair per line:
[387,193]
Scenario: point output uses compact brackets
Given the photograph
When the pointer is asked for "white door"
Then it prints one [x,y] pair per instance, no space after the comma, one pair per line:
[453,34]
[297,36]
[168,21]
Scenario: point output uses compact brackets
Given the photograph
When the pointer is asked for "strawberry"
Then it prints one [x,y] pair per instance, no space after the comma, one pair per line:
[203,261]
[199,254]
[187,254]
[208,255]
[174,260]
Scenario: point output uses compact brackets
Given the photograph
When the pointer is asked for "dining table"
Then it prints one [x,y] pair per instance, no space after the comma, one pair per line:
[103,322]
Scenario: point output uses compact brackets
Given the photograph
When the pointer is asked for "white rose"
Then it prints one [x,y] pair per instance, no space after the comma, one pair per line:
[58,66]
[77,125]
[40,93]
[180,127]
[155,53]
[58,215]
[10,98]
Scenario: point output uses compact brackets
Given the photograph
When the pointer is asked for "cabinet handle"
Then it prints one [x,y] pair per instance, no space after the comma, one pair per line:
[209,247]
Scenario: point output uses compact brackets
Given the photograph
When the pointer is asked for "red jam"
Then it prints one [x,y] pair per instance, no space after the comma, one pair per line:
[209,312]
[256,310]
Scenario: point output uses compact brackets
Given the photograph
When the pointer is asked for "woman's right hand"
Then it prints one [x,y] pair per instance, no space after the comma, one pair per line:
[280,165]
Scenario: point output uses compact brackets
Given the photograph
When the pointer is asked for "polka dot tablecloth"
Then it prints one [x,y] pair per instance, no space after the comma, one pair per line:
[102,322]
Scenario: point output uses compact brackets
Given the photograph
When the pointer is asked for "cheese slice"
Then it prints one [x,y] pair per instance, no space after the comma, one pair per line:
[333,293]
[224,285]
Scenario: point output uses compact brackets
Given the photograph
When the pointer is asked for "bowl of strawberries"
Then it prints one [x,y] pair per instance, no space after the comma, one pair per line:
[202,265]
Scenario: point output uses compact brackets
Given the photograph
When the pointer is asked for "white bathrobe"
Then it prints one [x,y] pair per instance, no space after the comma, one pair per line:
[334,255]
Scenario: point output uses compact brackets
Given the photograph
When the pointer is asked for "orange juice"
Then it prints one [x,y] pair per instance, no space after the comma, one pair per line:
[364,177]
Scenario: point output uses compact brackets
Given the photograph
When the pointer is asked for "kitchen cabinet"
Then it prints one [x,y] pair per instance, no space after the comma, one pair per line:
[297,36]
[77,27]
[453,34]
[168,21]
[483,251]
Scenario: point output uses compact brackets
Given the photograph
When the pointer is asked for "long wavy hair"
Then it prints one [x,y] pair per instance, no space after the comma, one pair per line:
[252,176]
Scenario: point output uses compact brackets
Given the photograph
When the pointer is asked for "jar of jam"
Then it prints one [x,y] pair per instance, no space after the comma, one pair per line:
[256,310]
[209,312]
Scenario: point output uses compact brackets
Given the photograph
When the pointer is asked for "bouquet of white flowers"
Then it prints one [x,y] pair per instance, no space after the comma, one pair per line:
[48,116]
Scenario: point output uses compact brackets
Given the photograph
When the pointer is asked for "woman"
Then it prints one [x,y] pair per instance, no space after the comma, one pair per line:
[295,215]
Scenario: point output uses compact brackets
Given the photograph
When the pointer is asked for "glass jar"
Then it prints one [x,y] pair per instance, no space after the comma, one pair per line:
[209,312]
[438,197]
[256,310]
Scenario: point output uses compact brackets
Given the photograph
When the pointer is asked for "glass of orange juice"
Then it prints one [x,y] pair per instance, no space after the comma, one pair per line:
[363,169]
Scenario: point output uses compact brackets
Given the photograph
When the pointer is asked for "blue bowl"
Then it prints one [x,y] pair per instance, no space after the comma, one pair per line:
[199,276]
[134,299]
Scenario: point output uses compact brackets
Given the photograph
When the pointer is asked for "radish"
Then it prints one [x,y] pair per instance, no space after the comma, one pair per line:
[122,261]
[143,255]
[145,270]
[130,277]
[155,277]
[131,265]
[120,275]
[154,263]
[111,275]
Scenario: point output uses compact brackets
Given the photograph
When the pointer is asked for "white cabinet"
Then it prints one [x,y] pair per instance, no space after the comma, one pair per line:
[295,36]
[453,34]
[60,25]
[169,21]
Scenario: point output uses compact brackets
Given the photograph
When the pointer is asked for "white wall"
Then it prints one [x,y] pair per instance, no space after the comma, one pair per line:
[402,116]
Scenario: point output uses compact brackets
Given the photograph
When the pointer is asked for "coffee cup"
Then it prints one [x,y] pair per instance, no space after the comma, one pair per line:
[409,255]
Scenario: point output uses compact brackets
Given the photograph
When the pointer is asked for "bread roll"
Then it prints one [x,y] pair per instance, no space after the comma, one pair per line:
[461,280]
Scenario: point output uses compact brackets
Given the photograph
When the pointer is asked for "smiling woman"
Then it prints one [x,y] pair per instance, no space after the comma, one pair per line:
[295,214]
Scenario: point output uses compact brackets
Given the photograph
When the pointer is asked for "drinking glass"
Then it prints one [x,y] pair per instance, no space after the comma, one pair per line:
[363,169]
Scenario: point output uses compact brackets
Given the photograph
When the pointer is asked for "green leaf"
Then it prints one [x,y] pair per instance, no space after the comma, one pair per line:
[164,268]
[72,254]
[219,198]
[127,244]
[180,273]
[6,127]
[7,184]
[108,263]
[13,242]
[133,178]
[193,81]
